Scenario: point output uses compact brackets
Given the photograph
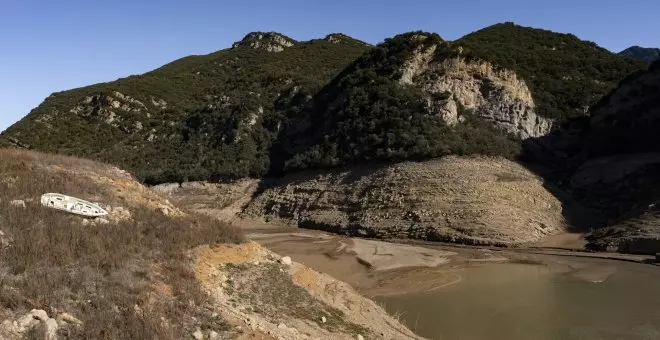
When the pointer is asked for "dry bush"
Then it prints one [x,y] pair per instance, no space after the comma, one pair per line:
[104,274]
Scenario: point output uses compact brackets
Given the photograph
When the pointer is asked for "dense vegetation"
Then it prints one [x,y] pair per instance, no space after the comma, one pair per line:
[620,133]
[326,102]
[365,115]
[641,53]
[565,74]
[219,118]
[633,125]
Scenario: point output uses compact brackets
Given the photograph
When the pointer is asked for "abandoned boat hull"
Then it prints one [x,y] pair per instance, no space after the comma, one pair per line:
[72,205]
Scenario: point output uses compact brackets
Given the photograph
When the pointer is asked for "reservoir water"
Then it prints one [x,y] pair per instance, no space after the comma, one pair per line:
[521,301]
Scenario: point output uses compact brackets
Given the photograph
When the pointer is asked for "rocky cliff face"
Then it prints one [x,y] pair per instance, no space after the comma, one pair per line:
[467,200]
[268,41]
[457,86]
[118,110]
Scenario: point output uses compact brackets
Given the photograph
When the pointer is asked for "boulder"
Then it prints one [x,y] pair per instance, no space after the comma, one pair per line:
[50,327]
[27,321]
[39,314]
[165,210]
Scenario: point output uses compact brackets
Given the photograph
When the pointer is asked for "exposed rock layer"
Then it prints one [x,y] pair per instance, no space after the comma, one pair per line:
[467,200]
[269,41]
[455,86]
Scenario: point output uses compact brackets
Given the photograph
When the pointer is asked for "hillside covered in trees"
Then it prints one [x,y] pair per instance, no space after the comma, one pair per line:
[365,114]
[194,118]
[566,75]
[641,53]
[271,104]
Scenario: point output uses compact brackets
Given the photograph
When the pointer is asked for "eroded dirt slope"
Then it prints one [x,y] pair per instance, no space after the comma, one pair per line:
[151,270]
[475,200]
[273,295]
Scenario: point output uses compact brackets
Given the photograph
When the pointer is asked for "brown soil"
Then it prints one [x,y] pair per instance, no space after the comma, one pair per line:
[251,285]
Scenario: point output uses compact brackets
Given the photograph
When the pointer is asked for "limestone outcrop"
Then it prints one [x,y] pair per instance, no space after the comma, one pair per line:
[467,200]
[268,41]
[456,86]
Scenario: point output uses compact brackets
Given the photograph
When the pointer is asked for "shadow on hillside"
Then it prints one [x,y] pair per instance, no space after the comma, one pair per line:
[547,157]
[579,218]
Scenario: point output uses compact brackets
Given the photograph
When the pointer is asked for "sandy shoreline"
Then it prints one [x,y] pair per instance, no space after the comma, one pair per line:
[382,268]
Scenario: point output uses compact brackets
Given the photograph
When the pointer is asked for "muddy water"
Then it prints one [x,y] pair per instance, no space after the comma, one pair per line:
[520,301]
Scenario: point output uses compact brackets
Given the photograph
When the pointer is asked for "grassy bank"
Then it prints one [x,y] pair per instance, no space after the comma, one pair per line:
[127,279]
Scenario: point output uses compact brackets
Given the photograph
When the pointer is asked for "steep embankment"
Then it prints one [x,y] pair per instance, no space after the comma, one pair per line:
[466,200]
[121,277]
[287,300]
[150,270]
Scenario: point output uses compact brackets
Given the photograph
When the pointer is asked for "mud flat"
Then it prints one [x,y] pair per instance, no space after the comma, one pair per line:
[522,301]
[459,292]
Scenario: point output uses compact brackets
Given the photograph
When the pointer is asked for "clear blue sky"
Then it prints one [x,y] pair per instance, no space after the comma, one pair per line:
[53,45]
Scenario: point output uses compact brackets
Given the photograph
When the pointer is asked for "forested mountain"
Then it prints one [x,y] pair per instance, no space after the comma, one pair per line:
[194,118]
[641,53]
[368,113]
[565,74]
[271,104]
[416,96]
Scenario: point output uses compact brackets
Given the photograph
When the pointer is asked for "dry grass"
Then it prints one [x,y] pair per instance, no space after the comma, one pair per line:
[103,274]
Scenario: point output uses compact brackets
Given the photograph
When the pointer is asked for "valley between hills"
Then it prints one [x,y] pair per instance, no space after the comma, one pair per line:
[323,189]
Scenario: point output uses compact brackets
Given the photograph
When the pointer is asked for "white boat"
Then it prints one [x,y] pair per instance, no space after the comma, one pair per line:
[72,205]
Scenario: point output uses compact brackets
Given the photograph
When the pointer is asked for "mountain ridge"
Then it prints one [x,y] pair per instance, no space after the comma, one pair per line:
[641,53]
[223,114]
[156,111]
